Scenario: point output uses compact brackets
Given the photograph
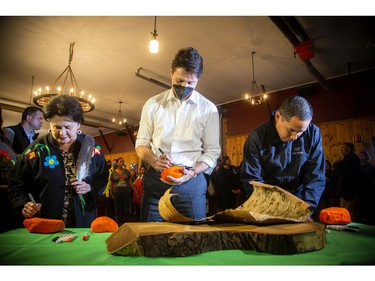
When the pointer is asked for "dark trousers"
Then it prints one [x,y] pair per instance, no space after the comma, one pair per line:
[83,219]
[109,207]
[189,201]
[122,206]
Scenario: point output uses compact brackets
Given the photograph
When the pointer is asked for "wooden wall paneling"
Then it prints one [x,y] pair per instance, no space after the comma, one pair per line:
[240,144]
[357,131]
[234,148]
[327,136]
[334,134]
[368,135]
[224,132]
[130,157]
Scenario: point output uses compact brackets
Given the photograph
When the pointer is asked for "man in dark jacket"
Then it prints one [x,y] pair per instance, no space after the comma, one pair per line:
[349,177]
[22,134]
[287,151]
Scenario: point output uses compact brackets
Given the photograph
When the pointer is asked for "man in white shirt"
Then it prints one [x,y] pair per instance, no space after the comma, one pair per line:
[179,126]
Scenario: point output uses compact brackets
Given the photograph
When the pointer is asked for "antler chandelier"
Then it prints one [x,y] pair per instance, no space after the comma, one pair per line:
[42,97]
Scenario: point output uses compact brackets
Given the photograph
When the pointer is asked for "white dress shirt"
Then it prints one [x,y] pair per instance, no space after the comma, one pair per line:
[188,131]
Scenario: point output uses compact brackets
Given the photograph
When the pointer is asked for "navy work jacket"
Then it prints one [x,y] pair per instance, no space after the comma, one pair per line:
[297,166]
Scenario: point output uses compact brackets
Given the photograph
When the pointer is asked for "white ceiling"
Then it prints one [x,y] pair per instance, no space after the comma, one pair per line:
[109,50]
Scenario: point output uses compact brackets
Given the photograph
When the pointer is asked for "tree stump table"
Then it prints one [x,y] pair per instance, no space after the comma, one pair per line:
[158,239]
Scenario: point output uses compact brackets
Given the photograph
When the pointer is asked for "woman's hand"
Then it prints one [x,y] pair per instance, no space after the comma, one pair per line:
[81,187]
[30,209]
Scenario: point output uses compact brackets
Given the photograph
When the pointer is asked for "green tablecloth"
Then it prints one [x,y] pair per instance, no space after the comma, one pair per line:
[19,247]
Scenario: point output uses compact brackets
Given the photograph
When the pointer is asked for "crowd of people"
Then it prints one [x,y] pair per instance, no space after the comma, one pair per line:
[181,126]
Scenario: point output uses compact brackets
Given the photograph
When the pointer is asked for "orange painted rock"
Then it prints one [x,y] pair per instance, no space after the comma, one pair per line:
[174,171]
[335,215]
[104,224]
[41,225]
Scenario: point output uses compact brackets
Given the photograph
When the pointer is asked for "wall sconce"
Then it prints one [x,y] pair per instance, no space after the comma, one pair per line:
[154,43]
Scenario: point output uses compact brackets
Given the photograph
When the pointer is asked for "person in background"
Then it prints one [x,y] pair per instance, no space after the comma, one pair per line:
[137,196]
[7,154]
[133,174]
[213,204]
[227,185]
[179,126]
[241,194]
[108,200]
[23,134]
[8,159]
[348,179]
[330,196]
[47,170]
[121,191]
[287,151]
[367,192]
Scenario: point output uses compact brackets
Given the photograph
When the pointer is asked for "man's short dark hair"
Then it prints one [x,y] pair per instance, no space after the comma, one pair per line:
[366,154]
[350,146]
[190,60]
[296,106]
[30,111]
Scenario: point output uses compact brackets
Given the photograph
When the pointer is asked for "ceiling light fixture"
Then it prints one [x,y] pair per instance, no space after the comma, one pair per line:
[154,43]
[42,97]
[255,97]
[119,119]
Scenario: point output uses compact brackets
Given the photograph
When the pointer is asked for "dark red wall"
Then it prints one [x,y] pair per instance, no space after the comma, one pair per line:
[116,143]
[353,96]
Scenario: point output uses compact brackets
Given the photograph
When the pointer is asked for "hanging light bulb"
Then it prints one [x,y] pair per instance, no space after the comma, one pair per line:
[154,43]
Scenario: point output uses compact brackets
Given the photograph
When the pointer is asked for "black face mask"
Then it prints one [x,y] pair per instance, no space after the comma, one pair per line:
[181,91]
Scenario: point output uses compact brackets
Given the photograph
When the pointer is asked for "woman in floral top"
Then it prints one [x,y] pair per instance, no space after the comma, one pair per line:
[47,170]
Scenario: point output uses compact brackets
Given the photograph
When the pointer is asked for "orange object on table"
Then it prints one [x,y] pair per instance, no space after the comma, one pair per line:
[104,224]
[334,215]
[41,225]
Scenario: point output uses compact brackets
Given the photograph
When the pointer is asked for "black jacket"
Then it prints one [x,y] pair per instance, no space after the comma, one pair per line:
[349,176]
[297,166]
[20,140]
[40,171]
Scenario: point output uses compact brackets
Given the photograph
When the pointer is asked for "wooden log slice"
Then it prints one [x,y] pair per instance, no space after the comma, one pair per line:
[158,239]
